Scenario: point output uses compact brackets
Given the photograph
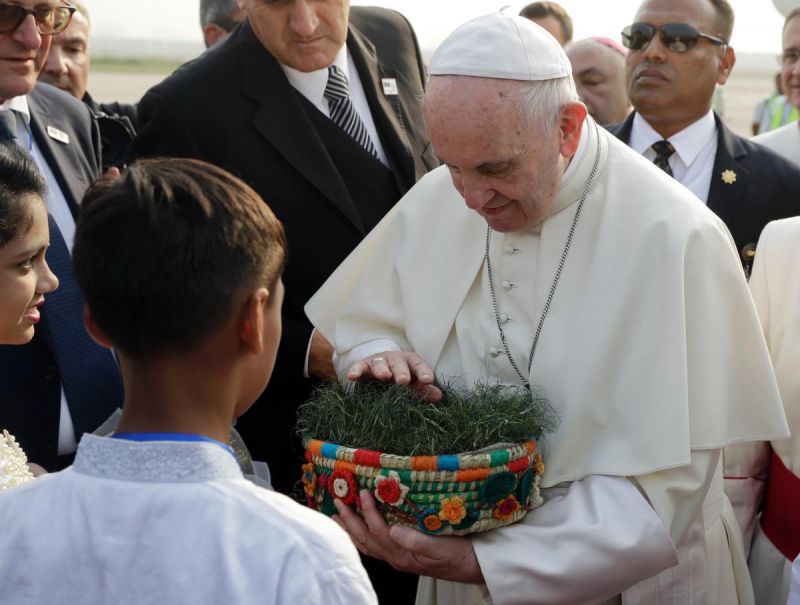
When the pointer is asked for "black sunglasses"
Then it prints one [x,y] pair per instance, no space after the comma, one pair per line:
[677,37]
[50,20]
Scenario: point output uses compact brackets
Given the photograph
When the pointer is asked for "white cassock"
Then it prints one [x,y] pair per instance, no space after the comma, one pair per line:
[651,354]
[775,283]
[784,141]
[168,522]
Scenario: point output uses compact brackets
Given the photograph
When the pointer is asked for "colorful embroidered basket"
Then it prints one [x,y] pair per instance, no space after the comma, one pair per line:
[442,495]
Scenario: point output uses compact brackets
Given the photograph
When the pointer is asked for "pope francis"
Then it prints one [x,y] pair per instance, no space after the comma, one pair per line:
[545,253]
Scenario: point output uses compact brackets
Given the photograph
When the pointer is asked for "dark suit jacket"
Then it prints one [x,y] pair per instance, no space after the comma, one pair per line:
[30,392]
[767,186]
[235,108]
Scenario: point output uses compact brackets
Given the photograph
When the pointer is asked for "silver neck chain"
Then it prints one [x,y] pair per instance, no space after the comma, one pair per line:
[567,244]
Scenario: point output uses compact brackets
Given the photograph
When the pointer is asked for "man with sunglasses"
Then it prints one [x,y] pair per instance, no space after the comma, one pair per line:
[679,51]
[61,384]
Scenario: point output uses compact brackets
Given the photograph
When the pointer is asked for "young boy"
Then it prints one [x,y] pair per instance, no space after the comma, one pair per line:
[180,264]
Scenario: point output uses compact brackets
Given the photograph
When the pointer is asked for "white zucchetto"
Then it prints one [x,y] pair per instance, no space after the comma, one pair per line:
[500,45]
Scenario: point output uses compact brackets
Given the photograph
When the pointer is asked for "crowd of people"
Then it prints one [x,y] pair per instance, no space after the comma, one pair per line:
[309,201]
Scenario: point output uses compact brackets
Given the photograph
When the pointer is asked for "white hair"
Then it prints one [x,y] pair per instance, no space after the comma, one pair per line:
[541,102]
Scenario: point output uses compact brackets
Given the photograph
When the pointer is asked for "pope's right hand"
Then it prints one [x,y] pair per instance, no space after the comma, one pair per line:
[403,367]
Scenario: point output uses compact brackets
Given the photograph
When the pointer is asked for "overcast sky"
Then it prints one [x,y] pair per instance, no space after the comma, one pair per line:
[758,24]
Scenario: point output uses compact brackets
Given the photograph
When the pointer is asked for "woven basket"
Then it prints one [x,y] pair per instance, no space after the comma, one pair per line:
[441,495]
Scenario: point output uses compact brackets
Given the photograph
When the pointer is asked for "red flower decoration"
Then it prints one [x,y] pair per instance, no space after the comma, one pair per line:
[389,490]
[342,485]
[505,508]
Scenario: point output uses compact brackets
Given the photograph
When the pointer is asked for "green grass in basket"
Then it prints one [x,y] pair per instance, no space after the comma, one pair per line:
[392,418]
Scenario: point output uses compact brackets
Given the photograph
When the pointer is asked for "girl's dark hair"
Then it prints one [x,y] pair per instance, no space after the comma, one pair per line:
[19,179]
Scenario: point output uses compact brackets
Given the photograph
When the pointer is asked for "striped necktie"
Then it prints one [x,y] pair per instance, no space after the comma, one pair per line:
[343,114]
[664,151]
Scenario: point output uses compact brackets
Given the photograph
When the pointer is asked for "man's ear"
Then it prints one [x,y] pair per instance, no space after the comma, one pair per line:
[212,33]
[726,64]
[252,322]
[573,118]
[91,327]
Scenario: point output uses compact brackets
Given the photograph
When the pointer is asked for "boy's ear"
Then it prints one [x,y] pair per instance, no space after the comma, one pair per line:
[95,332]
[252,326]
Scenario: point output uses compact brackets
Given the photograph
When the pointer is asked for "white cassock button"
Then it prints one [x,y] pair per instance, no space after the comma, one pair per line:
[494,352]
[510,249]
[507,285]
[503,318]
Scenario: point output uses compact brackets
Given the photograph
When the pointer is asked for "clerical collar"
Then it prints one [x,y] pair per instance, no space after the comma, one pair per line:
[312,84]
[20,105]
[579,169]
[131,436]
[688,143]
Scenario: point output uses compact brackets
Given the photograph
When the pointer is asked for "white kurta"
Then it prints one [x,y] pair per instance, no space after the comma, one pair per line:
[775,283]
[651,354]
[784,141]
[168,522]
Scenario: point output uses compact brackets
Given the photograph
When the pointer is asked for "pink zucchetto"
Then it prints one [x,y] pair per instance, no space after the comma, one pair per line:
[501,45]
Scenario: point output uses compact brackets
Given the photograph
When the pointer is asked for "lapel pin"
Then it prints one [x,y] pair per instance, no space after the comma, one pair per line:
[58,135]
[729,177]
[389,86]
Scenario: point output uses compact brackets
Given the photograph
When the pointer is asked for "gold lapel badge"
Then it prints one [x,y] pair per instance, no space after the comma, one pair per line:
[729,177]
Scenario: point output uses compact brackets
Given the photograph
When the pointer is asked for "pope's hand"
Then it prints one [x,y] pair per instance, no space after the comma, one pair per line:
[403,367]
[444,557]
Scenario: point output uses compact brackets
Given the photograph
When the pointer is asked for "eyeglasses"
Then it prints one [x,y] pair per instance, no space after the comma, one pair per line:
[788,57]
[49,20]
[677,37]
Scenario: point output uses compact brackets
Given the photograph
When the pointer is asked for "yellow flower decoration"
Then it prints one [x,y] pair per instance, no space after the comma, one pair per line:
[538,465]
[452,510]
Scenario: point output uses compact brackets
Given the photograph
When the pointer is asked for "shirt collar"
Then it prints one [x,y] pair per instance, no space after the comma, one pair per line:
[20,105]
[312,84]
[688,143]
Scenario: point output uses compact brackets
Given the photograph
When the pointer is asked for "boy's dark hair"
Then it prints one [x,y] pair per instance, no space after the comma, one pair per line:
[166,251]
[19,178]
[540,10]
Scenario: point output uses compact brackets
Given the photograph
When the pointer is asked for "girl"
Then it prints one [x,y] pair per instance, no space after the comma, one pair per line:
[24,275]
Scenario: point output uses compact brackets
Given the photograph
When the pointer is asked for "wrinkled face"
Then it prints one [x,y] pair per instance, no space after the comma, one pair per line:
[22,55]
[676,87]
[67,64]
[599,74]
[507,171]
[25,278]
[790,73]
[303,34]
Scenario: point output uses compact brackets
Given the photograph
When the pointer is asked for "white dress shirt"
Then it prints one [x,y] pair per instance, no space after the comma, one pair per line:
[58,208]
[695,149]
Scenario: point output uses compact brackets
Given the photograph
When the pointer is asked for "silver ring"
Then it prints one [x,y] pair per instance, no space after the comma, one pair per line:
[374,359]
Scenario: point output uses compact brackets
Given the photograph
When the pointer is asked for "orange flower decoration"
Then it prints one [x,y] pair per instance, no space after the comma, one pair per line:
[309,479]
[452,510]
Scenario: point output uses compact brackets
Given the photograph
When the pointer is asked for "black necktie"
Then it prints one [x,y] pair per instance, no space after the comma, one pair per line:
[8,126]
[89,373]
[343,114]
[664,151]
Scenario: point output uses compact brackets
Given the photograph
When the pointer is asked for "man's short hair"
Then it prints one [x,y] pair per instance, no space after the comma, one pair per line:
[19,179]
[795,12]
[540,10]
[724,18]
[166,252]
[218,12]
